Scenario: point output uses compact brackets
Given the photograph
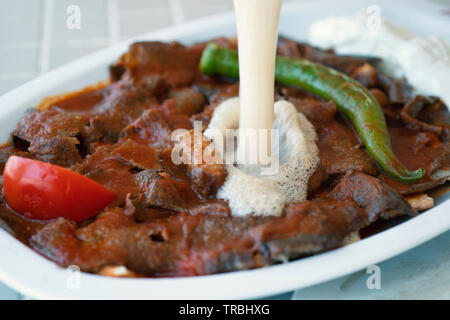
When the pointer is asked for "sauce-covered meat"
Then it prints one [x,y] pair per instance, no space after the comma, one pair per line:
[165,219]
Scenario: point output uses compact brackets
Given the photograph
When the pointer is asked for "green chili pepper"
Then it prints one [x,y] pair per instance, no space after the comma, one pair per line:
[351,98]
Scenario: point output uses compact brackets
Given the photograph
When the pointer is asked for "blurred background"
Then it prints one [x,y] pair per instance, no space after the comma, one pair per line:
[36,36]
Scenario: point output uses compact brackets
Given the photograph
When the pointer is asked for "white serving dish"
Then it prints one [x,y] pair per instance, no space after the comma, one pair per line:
[28,272]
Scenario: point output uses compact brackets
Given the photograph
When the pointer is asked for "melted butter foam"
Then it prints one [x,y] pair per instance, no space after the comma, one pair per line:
[298,153]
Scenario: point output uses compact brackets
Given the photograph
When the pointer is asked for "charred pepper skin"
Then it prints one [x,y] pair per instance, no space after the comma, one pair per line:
[351,98]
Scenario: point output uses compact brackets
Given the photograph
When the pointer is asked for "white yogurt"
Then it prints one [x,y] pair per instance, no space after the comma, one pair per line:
[257,26]
[425,62]
[296,154]
[266,195]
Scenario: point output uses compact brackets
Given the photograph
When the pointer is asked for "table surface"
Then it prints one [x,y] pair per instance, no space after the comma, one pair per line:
[34,39]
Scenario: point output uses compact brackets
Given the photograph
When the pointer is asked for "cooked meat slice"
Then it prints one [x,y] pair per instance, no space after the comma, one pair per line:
[398,90]
[62,151]
[205,168]
[174,170]
[120,181]
[339,147]
[104,224]
[288,48]
[225,92]
[320,113]
[376,197]
[100,159]
[309,227]
[174,118]
[316,180]
[207,89]
[340,151]
[175,63]
[124,104]
[434,112]
[58,241]
[345,64]
[187,101]
[150,128]
[185,244]
[62,137]
[412,109]
[228,91]
[159,190]
[138,155]
[53,136]
[152,84]
[144,213]
[44,123]
[207,178]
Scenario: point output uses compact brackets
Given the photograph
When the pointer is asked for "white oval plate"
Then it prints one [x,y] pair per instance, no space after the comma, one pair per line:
[28,272]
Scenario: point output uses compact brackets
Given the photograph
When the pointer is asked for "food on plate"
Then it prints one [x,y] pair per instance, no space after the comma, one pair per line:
[350,96]
[266,192]
[166,218]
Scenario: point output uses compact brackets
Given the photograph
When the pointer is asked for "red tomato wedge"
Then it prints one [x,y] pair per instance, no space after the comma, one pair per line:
[39,190]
